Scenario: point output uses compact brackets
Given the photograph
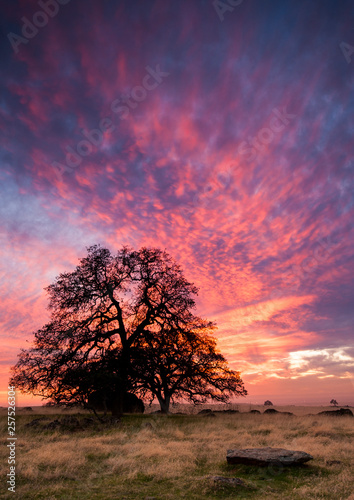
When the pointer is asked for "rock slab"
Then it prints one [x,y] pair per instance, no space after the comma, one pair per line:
[266,456]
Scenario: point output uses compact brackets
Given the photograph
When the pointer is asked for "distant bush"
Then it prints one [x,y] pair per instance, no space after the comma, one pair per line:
[268,403]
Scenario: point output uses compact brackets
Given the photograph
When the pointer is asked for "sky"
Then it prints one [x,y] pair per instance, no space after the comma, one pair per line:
[221,131]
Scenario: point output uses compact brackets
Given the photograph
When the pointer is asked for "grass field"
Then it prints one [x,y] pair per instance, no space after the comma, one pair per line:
[170,457]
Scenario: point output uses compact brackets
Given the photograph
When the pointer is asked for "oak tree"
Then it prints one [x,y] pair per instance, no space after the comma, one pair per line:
[103,315]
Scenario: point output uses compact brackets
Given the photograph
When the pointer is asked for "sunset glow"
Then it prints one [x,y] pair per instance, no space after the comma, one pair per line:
[227,142]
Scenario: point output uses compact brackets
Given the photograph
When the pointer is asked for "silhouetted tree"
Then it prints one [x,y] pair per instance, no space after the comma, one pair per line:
[103,315]
[99,311]
[183,362]
[268,403]
[333,402]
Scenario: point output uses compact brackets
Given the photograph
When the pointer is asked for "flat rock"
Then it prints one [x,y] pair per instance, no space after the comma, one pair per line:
[265,456]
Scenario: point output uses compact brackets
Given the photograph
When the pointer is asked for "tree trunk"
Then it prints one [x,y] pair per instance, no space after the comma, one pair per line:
[164,403]
[117,405]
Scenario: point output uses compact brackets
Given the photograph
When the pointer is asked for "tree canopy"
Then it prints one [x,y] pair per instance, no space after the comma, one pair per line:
[115,322]
[184,363]
[268,403]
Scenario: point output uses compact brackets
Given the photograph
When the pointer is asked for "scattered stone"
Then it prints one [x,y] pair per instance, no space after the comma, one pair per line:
[273,410]
[108,400]
[114,420]
[147,425]
[70,421]
[67,423]
[35,422]
[88,421]
[324,434]
[337,413]
[52,425]
[333,462]
[227,481]
[266,456]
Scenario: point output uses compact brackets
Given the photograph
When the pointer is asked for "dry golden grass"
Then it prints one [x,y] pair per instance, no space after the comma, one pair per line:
[170,457]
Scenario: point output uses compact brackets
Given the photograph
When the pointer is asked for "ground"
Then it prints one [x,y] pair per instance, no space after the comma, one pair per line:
[171,457]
